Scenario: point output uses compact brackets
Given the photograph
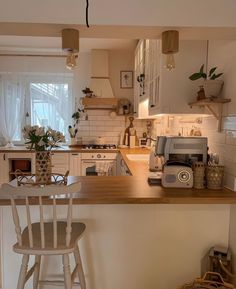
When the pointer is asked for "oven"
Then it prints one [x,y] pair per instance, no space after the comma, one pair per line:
[90,159]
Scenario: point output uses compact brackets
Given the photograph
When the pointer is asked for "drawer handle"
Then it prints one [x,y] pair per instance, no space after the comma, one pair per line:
[75,154]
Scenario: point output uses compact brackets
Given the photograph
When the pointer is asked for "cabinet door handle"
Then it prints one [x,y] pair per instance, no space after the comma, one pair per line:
[4,157]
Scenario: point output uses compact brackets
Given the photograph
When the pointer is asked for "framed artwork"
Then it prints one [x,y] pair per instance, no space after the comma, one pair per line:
[126,79]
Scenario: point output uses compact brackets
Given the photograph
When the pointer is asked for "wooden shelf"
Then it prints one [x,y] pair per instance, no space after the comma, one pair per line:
[214,106]
[99,103]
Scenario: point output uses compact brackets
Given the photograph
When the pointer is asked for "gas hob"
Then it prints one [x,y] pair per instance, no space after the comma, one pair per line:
[99,147]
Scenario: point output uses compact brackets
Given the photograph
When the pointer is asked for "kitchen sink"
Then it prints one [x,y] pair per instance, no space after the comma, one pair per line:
[138,157]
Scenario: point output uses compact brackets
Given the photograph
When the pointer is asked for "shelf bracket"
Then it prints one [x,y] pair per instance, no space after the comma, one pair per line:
[217,114]
[215,107]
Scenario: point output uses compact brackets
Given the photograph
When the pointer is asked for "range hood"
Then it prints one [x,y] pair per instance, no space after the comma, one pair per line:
[100,83]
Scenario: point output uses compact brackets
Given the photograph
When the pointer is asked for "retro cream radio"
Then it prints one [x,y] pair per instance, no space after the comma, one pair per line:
[177,176]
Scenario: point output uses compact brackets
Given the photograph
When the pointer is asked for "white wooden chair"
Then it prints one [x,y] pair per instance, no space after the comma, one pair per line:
[46,238]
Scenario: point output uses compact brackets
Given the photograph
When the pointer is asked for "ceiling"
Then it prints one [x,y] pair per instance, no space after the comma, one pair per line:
[30,25]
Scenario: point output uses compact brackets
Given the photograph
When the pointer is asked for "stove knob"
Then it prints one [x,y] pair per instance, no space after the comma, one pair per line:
[99,156]
[92,157]
[104,157]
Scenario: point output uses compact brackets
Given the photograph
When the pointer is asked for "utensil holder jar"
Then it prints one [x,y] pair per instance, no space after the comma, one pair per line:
[215,176]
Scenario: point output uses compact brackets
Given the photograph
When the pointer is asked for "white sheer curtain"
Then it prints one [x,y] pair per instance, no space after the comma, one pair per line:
[12,90]
[35,99]
[52,101]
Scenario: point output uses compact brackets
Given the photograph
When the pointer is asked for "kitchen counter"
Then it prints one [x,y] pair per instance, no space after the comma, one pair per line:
[127,221]
[136,190]
[61,149]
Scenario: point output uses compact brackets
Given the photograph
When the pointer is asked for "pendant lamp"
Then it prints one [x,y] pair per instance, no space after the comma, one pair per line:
[70,44]
[170,46]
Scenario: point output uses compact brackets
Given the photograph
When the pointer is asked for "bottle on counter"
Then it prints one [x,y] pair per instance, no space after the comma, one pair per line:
[130,131]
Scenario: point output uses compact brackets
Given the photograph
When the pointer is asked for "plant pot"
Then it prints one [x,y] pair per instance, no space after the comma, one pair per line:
[213,88]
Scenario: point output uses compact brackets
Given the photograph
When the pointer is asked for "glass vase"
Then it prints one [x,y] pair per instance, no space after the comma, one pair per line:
[43,167]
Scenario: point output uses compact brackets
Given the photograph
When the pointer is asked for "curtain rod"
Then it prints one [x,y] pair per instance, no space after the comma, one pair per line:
[33,55]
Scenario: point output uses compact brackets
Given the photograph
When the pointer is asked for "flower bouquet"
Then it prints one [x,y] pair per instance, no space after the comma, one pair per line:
[39,139]
[42,140]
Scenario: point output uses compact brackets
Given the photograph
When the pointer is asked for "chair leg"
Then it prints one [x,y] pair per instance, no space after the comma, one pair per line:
[36,271]
[80,268]
[67,273]
[23,271]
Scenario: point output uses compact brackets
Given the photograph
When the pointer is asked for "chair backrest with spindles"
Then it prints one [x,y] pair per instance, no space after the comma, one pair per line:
[40,194]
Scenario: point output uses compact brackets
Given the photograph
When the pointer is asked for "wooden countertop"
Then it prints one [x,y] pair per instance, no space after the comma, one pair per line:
[136,190]
[62,149]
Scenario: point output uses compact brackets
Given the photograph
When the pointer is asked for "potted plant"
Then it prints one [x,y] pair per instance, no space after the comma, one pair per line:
[212,85]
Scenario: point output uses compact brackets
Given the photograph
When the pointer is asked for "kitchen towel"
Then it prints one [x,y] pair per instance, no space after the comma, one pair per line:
[103,168]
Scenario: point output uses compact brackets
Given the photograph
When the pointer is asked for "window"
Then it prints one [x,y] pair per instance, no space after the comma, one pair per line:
[42,100]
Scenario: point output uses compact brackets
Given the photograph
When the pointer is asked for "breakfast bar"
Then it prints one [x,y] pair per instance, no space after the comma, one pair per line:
[134,189]
[135,232]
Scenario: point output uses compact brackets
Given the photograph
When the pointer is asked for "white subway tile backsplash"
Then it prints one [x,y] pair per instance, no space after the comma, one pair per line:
[230,139]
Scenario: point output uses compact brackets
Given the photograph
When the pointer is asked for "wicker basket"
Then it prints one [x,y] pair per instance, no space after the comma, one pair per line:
[199,175]
[211,280]
[215,175]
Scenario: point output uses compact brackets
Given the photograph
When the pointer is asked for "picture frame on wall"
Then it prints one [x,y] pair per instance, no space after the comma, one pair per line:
[126,79]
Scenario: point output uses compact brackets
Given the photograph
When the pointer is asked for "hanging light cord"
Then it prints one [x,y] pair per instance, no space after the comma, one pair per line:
[87,7]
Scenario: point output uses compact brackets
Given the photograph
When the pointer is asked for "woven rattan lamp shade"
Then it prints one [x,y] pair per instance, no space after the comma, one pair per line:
[170,41]
[70,40]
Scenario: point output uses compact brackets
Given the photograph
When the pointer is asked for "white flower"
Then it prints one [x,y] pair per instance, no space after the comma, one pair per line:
[40,139]
[40,131]
[41,143]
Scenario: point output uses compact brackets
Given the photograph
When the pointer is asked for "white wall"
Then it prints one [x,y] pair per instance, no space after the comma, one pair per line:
[134,246]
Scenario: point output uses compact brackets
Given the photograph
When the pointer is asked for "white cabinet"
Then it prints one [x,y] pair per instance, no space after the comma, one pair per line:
[63,162]
[60,162]
[153,74]
[140,87]
[122,169]
[4,174]
[9,162]
[167,91]
[75,164]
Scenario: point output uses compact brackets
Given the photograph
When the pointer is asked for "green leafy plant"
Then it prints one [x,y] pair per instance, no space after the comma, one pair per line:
[76,115]
[201,74]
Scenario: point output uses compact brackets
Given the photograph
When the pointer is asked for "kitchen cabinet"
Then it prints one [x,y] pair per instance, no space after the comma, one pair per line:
[140,68]
[122,169]
[75,164]
[60,162]
[153,74]
[167,92]
[7,167]
[4,176]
